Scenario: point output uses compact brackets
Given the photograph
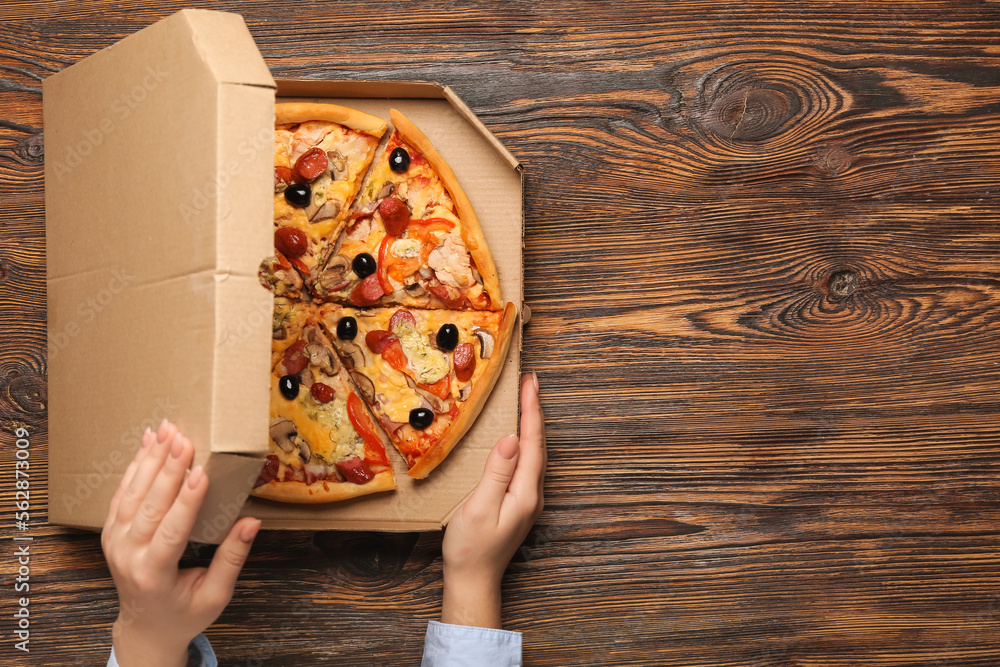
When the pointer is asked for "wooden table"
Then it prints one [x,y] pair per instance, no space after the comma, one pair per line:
[762,245]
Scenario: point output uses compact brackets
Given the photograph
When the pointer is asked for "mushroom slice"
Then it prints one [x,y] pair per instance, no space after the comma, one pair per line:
[334,276]
[328,210]
[279,333]
[338,164]
[435,403]
[463,395]
[356,355]
[305,451]
[387,189]
[321,357]
[415,290]
[486,343]
[282,431]
[306,378]
[365,385]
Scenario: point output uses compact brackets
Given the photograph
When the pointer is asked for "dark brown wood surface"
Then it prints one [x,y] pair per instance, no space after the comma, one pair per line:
[762,253]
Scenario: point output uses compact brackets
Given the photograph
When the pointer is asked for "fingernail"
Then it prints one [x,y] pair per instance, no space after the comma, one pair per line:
[249,531]
[507,448]
[197,473]
[177,446]
[147,438]
[534,377]
[161,432]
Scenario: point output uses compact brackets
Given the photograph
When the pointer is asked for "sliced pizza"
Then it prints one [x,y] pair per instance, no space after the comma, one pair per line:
[412,238]
[321,155]
[324,445]
[425,373]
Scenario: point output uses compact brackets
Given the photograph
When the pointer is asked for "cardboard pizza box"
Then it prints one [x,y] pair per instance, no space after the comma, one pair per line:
[159,209]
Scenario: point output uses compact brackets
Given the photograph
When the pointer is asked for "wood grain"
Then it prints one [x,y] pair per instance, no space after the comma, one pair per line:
[762,253]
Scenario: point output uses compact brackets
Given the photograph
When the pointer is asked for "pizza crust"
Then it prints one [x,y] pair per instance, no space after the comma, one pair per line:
[474,404]
[300,112]
[472,233]
[323,491]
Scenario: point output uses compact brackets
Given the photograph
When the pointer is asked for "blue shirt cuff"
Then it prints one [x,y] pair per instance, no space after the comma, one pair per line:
[447,645]
[200,654]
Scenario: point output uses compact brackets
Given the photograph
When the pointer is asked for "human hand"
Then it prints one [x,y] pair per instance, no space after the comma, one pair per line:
[488,528]
[162,608]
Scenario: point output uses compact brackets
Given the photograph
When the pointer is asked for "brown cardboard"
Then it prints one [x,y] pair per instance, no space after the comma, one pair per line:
[158,212]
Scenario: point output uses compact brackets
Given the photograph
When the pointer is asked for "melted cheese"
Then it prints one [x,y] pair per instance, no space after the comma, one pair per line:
[325,427]
[430,365]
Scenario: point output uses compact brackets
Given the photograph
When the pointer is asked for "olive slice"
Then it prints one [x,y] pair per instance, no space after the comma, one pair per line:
[289,386]
[347,328]
[447,336]
[421,418]
[364,265]
[298,195]
[399,160]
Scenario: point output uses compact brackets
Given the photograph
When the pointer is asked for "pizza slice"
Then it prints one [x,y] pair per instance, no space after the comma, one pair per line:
[321,155]
[413,238]
[425,373]
[324,445]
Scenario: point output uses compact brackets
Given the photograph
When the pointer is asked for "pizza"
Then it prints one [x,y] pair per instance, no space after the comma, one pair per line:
[324,445]
[387,304]
[321,154]
[413,238]
[425,373]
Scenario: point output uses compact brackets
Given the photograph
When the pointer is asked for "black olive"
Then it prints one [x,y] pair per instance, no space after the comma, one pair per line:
[364,265]
[421,418]
[447,338]
[347,328]
[399,160]
[298,194]
[289,386]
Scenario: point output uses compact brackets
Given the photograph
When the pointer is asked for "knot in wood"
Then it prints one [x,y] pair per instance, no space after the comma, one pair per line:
[843,284]
[833,160]
[32,149]
[753,114]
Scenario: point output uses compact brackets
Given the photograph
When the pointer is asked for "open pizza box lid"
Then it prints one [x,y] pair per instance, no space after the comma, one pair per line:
[159,205]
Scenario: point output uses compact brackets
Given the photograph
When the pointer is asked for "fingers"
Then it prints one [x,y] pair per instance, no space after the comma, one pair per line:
[148,438]
[163,491]
[528,478]
[499,469]
[171,536]
[145,473]
[217,587]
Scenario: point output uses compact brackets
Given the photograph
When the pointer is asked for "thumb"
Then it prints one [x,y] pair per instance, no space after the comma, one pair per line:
[498,472]
[228,561]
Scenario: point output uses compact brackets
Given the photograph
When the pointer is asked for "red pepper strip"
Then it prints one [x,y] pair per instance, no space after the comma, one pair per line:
[363,425]
[383,265]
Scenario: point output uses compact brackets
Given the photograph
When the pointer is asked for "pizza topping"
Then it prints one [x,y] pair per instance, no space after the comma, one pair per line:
[289,386]
[387,189]
[486,343]
[282,177]
[322,357]
[447,337]
[421,418]
[355,470]
[357,355]
[361,422]
[282,431]
[401,316]
[399,160]
[311,164]
[463,394]
[367,292]
[365,386]
[334,275]
[269,472]
[379,339]
[451,263]
[395,215]
[431,394]
[429,364]
[338,164]
[364,265]
[290,242]
[347,328]
[295,359]
[298,195]
[321,392]
[327,211]
[276,274]
[465,361]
